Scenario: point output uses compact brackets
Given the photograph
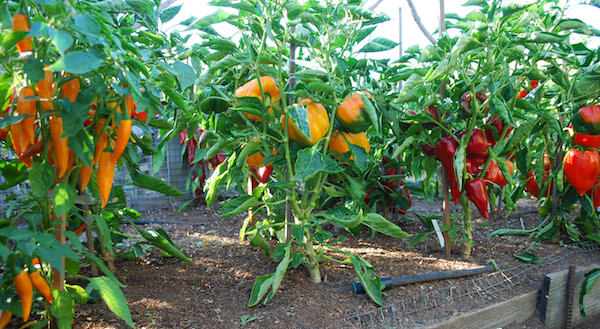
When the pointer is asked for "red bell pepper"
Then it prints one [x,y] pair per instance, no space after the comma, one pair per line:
[592,141]
[499,125]
[477,193]
[428,150]
[582,169]
[466,98]
[478,143]
[264,173]
[445,149]
[587,120]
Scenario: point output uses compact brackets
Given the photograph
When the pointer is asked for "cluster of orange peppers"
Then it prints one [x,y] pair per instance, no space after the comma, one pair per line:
[26,144]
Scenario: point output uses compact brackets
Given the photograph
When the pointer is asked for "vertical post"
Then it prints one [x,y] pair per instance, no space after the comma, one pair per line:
[90,238]
[400,38]
[446,202]
[58,278]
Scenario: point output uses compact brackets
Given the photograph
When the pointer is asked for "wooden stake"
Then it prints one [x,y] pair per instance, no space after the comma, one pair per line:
[58,278]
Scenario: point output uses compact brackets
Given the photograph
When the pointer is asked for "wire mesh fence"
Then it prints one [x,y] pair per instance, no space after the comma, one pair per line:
[482,286]
[174,171]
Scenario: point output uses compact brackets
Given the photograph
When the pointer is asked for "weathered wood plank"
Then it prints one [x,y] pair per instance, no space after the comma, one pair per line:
[515,310]
[553,299]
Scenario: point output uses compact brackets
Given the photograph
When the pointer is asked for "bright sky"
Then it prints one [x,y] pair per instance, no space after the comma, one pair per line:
[428,11]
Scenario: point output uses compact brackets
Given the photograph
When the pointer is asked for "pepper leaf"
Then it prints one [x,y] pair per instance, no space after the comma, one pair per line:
[311,162]
[113,297]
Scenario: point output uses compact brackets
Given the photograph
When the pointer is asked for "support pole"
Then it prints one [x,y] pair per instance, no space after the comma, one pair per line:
[58,278]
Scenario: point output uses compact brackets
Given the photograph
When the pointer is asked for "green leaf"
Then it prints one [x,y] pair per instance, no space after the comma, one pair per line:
[15,234]
[104,232]
[507,231]
[14,172]
[76,62]
[11,120]
[206,21]
[528,258]
[366,275]
[239,205]
[217,178]
[586,286]
[382,225]
[311,162]
[459,161]
[63,41]
[360,155]
[86,25]
[341,216]
[169,13]
[259,241]
[185,74]
[77,292]
[371,112]
[161,240]
[405,143]
[113,297]
[41,178]
[299,116]
[379,44]
[260,288]
[408,92]
[63,198]
[279,273]
[156,184]
[62,308]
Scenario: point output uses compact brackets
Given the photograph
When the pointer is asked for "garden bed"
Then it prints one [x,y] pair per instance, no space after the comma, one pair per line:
[213,291]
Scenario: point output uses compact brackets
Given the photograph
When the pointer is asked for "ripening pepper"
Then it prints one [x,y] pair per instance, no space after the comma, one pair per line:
[494,134]
[25,290]
[587,120]
[40,284]
[445,149]
[532,186]
[592,141]
[106,173]
[255,160]
[4,131]
[596,194]
[123,128]
[581,169]
[466,99]
[351,113]
[472,167]
[45,90]
[21,23]
[433,110]
[338,142]
[318,121]
[20,142]
[252,89]
[28,107]
[264,173]
[533,84]
[5,318]
[494,174]
[427,149]
[191,150]
[477,193]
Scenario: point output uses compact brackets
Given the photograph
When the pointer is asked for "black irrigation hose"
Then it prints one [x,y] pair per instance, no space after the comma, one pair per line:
[358,288]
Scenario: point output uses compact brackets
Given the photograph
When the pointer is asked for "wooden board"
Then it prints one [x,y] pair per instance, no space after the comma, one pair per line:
[553,299]
[515,310]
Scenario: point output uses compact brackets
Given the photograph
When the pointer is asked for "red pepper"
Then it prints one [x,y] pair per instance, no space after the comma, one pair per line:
[477,193]
[478,160]
[445,149]
[592,141]
[478,143]
[587,120]
[182,137]
[466,98]
[264,173]
[217,159]
[433,110]
[523,93]
[191,150]
[596,194]
[494,174]
[582,169]
[427,149]
[472,167]
[492,135]
[532,186]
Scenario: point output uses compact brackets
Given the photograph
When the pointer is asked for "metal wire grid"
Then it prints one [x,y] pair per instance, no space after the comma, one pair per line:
[481,286]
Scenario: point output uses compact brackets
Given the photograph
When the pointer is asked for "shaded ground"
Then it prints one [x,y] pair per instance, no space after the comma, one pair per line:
[213,291]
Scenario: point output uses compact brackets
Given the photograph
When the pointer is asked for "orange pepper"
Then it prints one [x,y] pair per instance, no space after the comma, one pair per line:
[84,177]
[5,319]
[61,149]
[106,173]
[21,23]
[25,289]
[27,107]
[45,89]
[40,284]
[70,89]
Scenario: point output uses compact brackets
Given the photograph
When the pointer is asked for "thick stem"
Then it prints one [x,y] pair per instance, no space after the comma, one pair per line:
[313,262]
[446,209]
[467,225]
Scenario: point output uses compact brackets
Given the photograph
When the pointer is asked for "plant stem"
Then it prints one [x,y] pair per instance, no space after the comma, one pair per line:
[313,262]
[467,226]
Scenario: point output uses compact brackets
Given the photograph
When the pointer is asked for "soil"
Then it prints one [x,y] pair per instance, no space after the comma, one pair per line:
[213,290]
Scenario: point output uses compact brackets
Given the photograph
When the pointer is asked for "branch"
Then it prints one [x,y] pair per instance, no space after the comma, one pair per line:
[417,19]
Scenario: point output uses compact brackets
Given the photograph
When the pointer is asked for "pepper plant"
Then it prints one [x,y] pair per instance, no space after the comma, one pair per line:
[302,106]
[75,77]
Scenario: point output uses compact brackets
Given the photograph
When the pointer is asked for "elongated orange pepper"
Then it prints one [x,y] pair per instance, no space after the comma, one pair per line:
[106,173]
[25,289]
[101,142]
[70,89]
[27,107]
[84,177]
[40,284]
[20,142]
[5,318]
[124,129]
[61,149]
[45,90]
[21,23]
